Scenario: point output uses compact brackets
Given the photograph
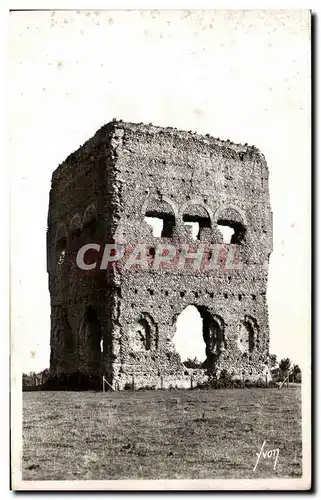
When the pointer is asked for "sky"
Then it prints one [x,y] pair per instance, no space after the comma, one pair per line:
[238,75]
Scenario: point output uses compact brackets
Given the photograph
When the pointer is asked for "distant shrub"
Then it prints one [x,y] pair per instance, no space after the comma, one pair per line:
[260,383]
[222,381]
[284,366]
[192,363]
[285,369]
[237,384]
[226,382]
[201,385]
[76,381]
[272,384]
[296,374]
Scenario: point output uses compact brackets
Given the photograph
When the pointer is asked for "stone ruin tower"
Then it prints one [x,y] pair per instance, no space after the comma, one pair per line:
[121,323]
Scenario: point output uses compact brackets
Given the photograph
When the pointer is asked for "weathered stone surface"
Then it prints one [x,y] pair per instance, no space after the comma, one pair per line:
[102,193]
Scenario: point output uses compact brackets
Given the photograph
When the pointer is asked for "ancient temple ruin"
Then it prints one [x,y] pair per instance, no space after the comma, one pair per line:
[120,322]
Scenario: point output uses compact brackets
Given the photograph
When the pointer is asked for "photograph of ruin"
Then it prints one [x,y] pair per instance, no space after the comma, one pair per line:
[120,324]
[160,248]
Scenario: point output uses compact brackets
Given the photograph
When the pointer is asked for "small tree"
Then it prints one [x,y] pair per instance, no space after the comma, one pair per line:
[192,363]
[296,374]
[273,360]
[284,366]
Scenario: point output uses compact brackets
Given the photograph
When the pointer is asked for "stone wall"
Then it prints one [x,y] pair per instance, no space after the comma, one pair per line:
[102,193]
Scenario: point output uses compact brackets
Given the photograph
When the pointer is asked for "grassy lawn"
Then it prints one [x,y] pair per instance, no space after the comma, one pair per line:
[160,434]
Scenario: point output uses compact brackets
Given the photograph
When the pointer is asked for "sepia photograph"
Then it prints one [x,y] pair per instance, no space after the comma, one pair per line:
[160,249]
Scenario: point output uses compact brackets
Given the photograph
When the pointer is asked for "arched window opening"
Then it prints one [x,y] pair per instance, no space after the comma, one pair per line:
[75,227]
[248,336]
[197,218]
[143,334]
[156,225]
[251,335]
[233,232]
[195,228]
[159,214]
[231,223]
[162,224]
[227,232]
[61,250]
[141,337]
[90,220]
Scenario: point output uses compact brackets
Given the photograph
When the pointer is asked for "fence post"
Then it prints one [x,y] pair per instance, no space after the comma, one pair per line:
[133,383]
[161,381]
[191,381]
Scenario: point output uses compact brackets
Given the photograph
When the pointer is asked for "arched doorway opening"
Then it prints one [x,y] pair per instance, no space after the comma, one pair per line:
[199,338]
[95,340]
[188,339]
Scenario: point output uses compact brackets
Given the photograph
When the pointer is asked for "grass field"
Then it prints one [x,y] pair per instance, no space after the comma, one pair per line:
[160,434]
